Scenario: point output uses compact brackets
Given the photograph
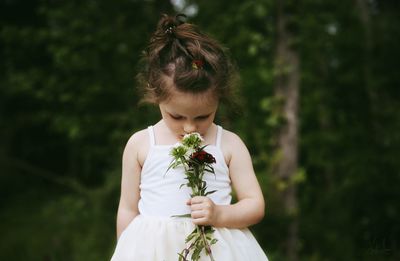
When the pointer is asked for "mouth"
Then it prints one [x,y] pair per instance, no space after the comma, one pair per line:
[183,135]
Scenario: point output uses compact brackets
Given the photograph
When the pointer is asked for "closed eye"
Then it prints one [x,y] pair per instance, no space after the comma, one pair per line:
[176,117]
[199,118]
[204,117]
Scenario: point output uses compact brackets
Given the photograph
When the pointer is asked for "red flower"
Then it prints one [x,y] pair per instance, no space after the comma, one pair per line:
[203,157]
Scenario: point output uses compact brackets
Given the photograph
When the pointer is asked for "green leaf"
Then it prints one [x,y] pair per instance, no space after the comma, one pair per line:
[181,216]
[196,254]
[190,237]
[210,192]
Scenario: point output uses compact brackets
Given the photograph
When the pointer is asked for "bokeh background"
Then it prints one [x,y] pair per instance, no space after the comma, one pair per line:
[320,115]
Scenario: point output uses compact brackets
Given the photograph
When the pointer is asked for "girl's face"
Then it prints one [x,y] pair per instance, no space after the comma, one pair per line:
[185,113]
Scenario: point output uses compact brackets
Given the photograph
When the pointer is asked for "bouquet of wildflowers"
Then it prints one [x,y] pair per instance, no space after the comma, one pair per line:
[196,162]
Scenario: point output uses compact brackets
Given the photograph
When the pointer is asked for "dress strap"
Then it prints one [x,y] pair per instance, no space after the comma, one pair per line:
[151,135]
[219,136]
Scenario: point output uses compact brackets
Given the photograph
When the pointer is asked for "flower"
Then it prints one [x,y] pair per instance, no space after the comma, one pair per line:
[192,140]
[202,157]
[196,161]
[179,151]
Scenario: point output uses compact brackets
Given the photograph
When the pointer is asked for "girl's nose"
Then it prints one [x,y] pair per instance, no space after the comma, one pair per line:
[189,127]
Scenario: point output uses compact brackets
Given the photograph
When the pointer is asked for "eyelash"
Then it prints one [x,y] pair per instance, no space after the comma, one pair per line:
[176,117]
[198,118]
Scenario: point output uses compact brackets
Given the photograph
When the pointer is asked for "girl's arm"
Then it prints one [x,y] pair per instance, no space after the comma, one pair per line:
[131,168]
[249,209]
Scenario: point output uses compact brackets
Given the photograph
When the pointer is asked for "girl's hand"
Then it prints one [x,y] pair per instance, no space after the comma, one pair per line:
[204,211]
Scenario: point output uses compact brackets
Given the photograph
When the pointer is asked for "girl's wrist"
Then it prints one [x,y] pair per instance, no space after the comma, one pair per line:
[219,216]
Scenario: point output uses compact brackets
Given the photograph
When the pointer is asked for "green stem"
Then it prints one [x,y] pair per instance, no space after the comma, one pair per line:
[204,239]
[198,185]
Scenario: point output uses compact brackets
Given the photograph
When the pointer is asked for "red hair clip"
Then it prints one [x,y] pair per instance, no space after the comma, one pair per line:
[197,64]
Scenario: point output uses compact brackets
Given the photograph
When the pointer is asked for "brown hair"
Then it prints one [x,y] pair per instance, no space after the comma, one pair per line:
[179,53]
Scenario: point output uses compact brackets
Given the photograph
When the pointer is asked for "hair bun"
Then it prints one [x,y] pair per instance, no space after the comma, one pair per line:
[168,24]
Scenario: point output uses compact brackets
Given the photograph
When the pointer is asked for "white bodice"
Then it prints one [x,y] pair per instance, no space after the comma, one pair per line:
[161,193]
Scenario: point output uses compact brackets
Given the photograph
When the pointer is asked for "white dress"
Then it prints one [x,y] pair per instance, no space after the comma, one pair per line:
[155,235]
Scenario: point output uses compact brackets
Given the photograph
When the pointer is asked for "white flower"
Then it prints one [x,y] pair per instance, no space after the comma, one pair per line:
[193,134]
[192,140]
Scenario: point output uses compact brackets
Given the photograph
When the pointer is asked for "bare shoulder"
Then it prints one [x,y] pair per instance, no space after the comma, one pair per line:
[137,137]
[137,146]
[231,144]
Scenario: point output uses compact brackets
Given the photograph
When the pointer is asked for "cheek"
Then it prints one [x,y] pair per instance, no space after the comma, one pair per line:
[206,124]
[173,125]
[176,127]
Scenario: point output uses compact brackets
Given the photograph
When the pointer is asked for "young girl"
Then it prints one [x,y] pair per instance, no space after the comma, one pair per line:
[187,74]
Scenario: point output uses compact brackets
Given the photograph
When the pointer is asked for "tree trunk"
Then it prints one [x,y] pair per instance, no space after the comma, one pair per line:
[287,83]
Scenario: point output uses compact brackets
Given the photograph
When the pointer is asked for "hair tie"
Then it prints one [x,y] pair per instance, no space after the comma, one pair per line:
[197,64]
[170,29]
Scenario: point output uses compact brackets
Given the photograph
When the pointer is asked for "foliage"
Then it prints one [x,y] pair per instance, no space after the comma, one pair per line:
[67,106]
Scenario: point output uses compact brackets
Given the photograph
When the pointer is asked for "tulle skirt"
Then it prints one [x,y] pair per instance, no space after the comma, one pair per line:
[161,239]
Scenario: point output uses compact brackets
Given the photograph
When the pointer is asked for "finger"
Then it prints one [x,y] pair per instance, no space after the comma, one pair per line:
[196,207]
[201,222]
[198,199]
[198,214]
[201,213]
